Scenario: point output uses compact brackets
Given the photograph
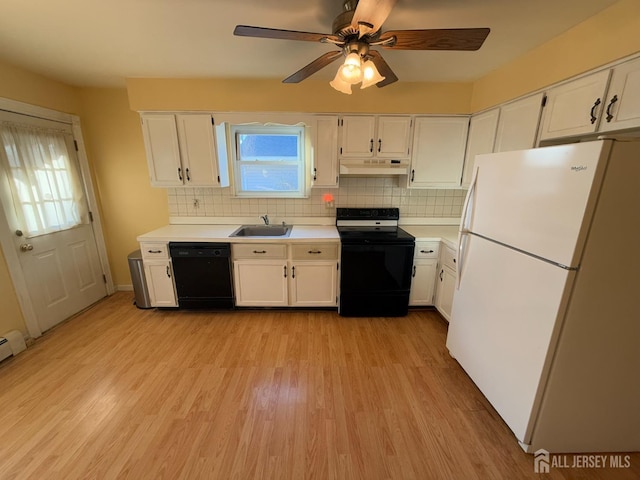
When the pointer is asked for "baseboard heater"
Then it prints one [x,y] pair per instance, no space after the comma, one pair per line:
[11,343]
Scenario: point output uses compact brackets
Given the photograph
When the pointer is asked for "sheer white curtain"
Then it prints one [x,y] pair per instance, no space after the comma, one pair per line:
[43,179]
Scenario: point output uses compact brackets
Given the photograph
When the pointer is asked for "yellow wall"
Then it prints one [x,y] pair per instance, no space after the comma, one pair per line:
[308,96]
[603,38]
[130,206]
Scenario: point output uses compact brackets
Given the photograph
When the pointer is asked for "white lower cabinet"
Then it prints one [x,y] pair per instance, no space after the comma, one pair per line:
[260,282]
[159,277]
[277,275]
[446,282]
[423,276]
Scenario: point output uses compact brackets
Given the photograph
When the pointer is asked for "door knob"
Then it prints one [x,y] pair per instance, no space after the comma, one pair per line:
[26,247]
[19,233]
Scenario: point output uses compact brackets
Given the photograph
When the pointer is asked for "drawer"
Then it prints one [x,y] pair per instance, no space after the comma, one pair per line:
[449,258]
[259,250]
[154,250]
[427,250]
[314,251]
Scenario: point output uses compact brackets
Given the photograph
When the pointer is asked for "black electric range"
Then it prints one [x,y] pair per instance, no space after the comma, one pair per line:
[376,262]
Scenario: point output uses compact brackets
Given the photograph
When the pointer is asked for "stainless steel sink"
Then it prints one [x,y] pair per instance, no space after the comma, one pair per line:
[262,231]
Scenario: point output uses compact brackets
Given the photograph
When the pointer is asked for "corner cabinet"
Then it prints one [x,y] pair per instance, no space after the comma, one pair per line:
[423,275]
[439,145]
[181,150]
[370,136]
[446,282]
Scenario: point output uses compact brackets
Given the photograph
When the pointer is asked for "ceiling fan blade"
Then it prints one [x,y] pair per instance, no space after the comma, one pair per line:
[383,69]
[313,67]
[436,39]
[276,33]
[371,14]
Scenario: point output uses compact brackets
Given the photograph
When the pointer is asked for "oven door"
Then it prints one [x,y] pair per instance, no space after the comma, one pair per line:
[375,279]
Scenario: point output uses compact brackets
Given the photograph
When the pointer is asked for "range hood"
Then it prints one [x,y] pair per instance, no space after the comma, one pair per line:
[373,167]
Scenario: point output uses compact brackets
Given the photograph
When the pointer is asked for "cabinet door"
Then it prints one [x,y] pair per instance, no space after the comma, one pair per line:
[482,134]
[438,151]
[159,276]
[518,124]
[575,107]
[198,150]
[423,282]
[445,290]
[162,148]
[622,108]
[325,152]
[357,137]
[393,137]
[313,284]
[261,283]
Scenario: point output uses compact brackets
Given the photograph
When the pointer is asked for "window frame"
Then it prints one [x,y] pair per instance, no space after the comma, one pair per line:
[300,130]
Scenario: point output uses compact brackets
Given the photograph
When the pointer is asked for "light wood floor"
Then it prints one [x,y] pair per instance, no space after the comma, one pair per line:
[119,392]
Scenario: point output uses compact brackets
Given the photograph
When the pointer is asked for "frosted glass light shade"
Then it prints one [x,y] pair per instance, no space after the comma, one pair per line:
[351,70]
[370,75]
[340,84]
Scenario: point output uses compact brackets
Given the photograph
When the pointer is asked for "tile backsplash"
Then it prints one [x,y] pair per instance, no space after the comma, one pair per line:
[353,192]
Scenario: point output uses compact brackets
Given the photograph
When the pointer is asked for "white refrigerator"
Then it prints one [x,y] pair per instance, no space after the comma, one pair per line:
[546,314]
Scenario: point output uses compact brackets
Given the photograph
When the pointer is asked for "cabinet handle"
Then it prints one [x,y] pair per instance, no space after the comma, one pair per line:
[180,173]
[168,271]
[293,272]
[371,146]
[610,106]
[259,251]
[315,173]
[454,260]
[426,251]
[414,271]
[413,174]
[379,145]
[285,271]
[593,109]
[314,252]
[154,251]
[441,272]
[188,177]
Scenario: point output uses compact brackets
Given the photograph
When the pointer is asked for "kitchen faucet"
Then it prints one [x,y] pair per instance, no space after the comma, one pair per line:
[265,218]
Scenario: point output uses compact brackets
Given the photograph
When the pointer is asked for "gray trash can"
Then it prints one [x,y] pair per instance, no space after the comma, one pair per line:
[142,299]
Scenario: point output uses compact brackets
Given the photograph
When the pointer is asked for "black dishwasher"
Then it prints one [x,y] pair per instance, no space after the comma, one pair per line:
[202,274]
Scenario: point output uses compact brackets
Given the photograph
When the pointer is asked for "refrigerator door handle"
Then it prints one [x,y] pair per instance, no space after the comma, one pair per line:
[464,226]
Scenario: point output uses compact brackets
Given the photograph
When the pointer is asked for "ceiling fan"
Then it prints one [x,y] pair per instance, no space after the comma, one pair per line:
[355,31]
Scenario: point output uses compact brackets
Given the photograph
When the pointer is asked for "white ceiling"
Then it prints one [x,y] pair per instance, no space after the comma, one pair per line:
[102,42]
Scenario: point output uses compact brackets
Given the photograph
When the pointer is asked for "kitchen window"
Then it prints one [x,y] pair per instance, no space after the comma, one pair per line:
[269,161]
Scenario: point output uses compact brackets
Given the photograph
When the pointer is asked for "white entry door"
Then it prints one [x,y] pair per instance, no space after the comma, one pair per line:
[45,205]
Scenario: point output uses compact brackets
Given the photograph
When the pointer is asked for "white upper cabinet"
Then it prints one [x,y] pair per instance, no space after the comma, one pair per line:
[482,135]
[622,108]
[325,151]
[575,108]
[367,136]
[518,124]
[181,150]
[438,151]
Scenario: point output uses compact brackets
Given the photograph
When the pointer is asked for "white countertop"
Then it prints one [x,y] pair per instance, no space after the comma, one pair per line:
[220,233]
[447,233]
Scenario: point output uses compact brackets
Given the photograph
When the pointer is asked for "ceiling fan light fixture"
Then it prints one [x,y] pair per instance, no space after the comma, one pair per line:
[351,71]
[370,74]
[339,84]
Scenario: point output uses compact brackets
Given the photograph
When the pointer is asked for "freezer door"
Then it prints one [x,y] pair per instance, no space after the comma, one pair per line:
[503,325]
[536,200]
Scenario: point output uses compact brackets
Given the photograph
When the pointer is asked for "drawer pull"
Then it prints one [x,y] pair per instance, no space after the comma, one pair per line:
[314,252]
[259,251]
[154,251]
[426,251]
